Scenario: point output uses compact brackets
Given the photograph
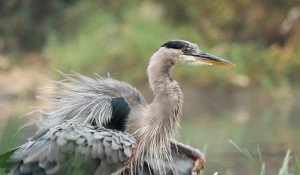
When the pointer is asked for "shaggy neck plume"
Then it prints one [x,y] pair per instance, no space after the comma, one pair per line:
[160,116]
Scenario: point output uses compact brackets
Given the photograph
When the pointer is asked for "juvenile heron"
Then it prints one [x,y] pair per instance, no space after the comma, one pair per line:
[104,126]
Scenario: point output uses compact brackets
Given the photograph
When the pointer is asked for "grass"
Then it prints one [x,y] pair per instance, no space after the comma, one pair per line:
[260,166]
[10,137]
[297,168]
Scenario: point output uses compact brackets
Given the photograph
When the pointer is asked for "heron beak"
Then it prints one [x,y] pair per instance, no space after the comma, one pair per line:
[201,56]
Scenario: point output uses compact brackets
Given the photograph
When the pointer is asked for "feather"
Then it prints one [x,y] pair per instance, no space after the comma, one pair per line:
[53,169]
[61,141]
[121,155]
[25,168]
[114,157]
[68,148]
[80,141]
[94,150]
[86,100]
[127,151]
[56,153]
[42,172]
[115,145]
[100,150]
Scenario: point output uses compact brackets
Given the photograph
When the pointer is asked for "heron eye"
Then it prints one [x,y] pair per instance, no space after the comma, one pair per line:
[184,50]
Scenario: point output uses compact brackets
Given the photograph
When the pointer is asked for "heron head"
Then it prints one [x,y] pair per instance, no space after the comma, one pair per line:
[189,54]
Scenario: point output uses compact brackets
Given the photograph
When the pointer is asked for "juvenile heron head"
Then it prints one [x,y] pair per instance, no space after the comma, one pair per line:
[184,52]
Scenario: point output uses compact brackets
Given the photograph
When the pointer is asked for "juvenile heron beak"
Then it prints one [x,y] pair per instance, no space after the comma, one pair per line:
[201,56]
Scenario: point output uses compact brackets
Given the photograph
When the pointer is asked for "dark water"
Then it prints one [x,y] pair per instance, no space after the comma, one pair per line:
[250,118]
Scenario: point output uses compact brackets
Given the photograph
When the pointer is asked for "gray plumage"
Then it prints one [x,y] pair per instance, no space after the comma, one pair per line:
[79,129]
[75,149]
[82,99]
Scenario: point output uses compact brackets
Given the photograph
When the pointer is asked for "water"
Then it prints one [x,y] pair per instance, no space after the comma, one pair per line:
[251,118]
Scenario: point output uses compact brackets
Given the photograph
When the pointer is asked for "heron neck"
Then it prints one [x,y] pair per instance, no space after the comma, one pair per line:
[160,120]
[167,94]
[159,72]
[155,124]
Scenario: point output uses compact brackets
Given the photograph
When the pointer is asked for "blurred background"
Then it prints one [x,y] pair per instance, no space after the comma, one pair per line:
[255,103]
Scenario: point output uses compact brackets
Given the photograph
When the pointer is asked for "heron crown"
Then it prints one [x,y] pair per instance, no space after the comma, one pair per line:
[178,44]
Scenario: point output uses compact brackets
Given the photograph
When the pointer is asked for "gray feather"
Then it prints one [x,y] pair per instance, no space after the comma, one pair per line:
[121,155]
[114,157]
[57,151]
[127,151]
[86,100]
[25,168]
[100,151]
[94,151]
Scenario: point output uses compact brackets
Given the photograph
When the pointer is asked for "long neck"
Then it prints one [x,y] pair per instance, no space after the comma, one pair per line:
[160,119]
[167,101]
[162,115]
[155,124]
[159,70]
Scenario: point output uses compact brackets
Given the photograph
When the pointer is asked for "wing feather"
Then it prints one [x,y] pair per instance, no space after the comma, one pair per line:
[61,150]
[96,101]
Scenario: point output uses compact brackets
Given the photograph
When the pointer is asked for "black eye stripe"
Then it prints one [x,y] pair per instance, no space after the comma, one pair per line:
[177,44]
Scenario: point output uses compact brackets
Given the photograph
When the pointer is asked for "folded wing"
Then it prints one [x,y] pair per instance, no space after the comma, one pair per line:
[72,149]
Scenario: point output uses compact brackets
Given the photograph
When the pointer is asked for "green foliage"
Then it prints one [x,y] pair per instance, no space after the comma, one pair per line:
[284,170]
[106,41]
[297,168]
[10,137]
[24,24]
[111,36]
[260,166]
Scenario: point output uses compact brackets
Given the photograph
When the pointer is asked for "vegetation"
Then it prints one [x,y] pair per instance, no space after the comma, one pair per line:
[260,166]
[99,36]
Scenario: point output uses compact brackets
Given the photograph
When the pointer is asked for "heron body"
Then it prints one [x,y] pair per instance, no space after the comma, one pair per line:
[110,126]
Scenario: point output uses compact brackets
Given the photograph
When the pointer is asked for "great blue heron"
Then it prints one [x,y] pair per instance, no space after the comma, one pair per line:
[104,126]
